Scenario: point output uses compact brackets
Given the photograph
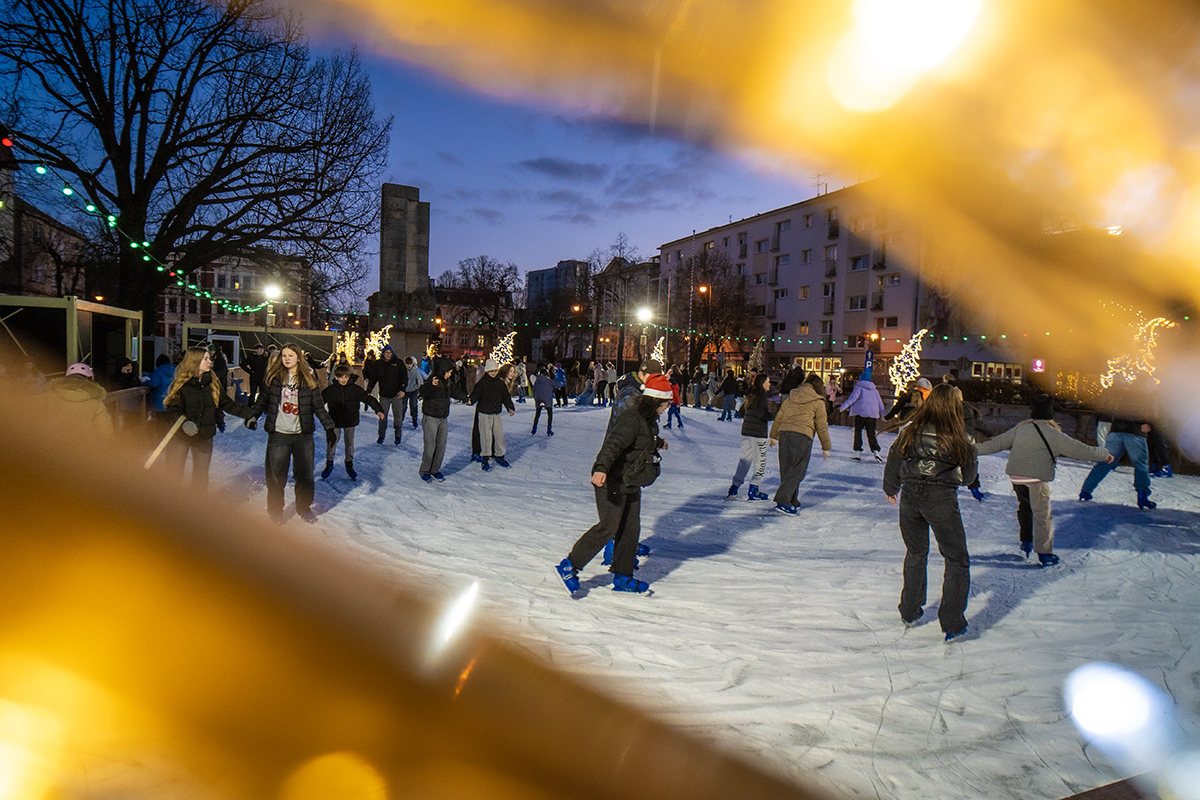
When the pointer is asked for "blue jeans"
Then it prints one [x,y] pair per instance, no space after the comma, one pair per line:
[695,395]
[727,409]
[1119,444]
[673,411]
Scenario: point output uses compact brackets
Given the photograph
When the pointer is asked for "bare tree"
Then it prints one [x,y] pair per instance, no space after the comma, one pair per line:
[204,129]
[487,287]
[724,311]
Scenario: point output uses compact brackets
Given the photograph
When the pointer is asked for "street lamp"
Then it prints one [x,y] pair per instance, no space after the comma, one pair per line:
[272,293]
[643,315]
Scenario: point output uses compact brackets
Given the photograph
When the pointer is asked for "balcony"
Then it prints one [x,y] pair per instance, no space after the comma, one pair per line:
[835,229]
[775,243]
[880,261]
[771,308]
[828,308]
[742,249]
[826,344]
[877,301]
[830,267]
[773,275]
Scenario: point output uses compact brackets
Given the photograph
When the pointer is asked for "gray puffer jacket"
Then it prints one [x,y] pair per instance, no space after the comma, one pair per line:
[927,465]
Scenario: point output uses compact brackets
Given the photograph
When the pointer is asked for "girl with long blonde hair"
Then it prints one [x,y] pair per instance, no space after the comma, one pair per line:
[196,394]
[290,399]
[926,464]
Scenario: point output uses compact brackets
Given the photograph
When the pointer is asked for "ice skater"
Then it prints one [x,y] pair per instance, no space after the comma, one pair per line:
[756,414]
[543,397]
[436,394]
[801,416]
[628,461]
[342,398]
[196,394]
[866,406]
[491,396]
[926,464]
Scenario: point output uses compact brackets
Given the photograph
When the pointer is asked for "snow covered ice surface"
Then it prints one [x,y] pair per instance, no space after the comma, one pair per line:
[776,636]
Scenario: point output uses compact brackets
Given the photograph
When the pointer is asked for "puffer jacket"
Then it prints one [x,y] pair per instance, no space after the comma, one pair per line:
[927,465]
[195,403]
[435,398]
[803,411]
[79,404]
[543,390]
[491,395]
[756,414]
[864,401]
[310,405]
[629,389]
[343,402]
[633,439]
[391,375]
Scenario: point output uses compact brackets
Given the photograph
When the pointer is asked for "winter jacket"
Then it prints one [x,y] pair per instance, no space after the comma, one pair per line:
[256,365]
[1125,424]
[435,398]
[491,395]
[343,402]
[220,367]
[755,416]
[906,404]
[927,465]
[159,382]
[803,411]
[864,401]
[195,403]
[560,378]
[629,389]
[729,386]
[610,375]
[391,376]
[543,390]
[310,405]
[415,379]
[629,449]
[597,374]
[1030,457]
[676,395]
[78,404]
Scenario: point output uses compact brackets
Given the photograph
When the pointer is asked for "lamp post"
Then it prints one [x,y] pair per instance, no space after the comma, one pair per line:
[706,292]
[643,315]
[272,294]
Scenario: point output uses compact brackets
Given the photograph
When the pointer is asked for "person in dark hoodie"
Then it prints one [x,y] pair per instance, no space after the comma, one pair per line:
[342,398]
[197,395]
[392,378]
[490,395]
[256,368]
[756,414]
[629,389]
[628,461]
[436,393]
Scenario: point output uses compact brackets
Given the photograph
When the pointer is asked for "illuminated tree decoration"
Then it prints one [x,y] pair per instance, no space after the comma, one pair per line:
[435,348]
[756,357]
[1141,360]
[906,366]
[347,345]
[657,353]
[504,349]
[376,341]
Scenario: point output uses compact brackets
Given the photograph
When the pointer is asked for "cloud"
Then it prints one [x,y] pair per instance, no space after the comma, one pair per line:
[449,158]
[565,169]
[488,215]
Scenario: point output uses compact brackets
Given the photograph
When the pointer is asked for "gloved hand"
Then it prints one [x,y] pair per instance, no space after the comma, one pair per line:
[190,428]
[252,423]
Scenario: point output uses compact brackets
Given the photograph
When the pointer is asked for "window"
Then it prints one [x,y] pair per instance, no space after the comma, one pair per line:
[890,322]
[171,306]
[781,293]
[741,269]
[786,225]
[236,281]
[709,245]
[762,245]
[221,280]
[782,261]
[858,302]
[248,283]
[803,293]
[760,311]
[808,220]
[826,327]
[806,256]
[479,341]
[778,329]
[893,280]
[831,252]
[827,290]
[191,306]
[802,327]
[725,241]
[679,255]
[831,214]
[859,224]
[859,263]
[760,278]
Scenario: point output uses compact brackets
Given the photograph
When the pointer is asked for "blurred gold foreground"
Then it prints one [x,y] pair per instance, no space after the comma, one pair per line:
[153,643]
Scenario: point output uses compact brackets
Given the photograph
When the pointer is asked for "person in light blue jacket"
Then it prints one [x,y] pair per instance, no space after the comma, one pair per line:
[866,406]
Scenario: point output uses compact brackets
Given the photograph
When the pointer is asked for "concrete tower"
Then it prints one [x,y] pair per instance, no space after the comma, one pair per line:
[404,300]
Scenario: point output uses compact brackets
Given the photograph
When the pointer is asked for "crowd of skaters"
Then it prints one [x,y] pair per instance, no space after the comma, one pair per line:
[936,451]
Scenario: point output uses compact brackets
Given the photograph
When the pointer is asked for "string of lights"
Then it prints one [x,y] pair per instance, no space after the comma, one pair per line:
[1140,360]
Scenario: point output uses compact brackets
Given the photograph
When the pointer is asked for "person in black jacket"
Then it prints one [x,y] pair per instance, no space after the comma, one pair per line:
[756,413]
[627,461]
[729,388]
[256,368]
[435,394]
[290,400]
[392,377]
[196,394]
[491,394]
[342,398]
[926,464]
[1130,427]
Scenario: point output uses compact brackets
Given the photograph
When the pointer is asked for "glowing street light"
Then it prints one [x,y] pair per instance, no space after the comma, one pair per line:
[272,293]
[643,315]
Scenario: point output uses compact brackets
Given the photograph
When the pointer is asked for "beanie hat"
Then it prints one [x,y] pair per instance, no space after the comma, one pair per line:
[923,383]
[387,348]
[1042,407]
[79,368]
[658,385]
[866,376]
[650,366]
[490,365]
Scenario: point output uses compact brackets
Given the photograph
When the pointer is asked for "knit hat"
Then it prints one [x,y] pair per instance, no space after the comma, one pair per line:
[387,348]
[866,375]
[490,365]
[923,383]
[1042,407]
[658,385]
[650,366]
[81,369]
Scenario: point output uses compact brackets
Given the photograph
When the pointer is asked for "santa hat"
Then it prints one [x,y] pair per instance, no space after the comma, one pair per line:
[658,385]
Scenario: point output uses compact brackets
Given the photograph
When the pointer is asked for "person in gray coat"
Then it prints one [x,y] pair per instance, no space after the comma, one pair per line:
[1035,446]
[543,397]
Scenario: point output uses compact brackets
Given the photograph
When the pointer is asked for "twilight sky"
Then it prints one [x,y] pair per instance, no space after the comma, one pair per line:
[533,186]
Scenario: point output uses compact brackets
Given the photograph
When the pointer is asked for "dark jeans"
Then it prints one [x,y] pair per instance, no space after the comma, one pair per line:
[673,411]
[868,424]
[619,520]
[537,414]
[794,452]
[932,505]
[296,450]
[1024,512]
[201,449]
[412,399]
[695,395]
